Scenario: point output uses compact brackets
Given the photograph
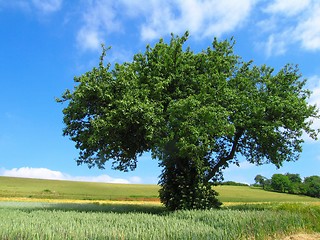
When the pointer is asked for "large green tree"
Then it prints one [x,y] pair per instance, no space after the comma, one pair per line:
[312,186]
[295,183]
[195,112]
[280,183]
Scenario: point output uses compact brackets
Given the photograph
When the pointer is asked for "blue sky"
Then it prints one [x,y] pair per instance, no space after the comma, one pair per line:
[45,43]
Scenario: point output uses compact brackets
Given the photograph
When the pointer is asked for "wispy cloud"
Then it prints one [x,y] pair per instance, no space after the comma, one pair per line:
[42,6]
[99,19]
[275,45]
[287,8]
[159,18]
[47,6]
[201,18]
[45,173]
[307,31]
[288,23]
[89,38]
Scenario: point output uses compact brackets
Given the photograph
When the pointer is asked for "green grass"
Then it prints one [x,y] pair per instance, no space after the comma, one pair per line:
[96,221]
[253,214]
[52,189]
[252,194]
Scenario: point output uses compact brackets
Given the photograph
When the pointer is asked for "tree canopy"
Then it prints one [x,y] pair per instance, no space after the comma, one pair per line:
[312,186]
[280,182]
[259,180]
[195,112]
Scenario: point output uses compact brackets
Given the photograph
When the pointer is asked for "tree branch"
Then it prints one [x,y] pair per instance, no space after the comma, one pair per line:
[230,156]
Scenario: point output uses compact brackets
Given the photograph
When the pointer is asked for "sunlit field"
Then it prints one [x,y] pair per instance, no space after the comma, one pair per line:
[42,209]
[32,220]
[53,189]
[65,191]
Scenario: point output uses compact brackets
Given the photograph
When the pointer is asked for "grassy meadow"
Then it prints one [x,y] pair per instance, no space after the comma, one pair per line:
[53,189]
[45,209]
[69,190]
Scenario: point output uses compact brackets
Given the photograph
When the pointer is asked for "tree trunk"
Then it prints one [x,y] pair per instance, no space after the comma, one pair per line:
[184,186]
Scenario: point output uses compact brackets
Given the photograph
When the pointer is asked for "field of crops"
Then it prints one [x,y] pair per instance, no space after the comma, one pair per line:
[42,209]
[95,221]
[61,190]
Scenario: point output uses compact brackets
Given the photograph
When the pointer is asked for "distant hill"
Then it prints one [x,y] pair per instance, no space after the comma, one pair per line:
[54,189]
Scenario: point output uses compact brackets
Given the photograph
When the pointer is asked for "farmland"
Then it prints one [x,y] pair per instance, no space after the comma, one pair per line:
[43,209]
[52,189]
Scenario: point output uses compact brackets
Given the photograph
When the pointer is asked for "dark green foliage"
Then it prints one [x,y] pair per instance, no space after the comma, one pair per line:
[312,186]
[292,183]
[295,183]
[294,178]
[260,180]
[195,112]
[280,183]
[232,183]
[267,185]
[183,186]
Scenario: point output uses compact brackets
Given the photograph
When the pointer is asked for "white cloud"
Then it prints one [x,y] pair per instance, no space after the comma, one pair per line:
[99,19]
[137,7]
[47,6]
[206,18]
[33,173]
[44,173]
[201,18]
[104,178]
[290,22]
[267,25]
[308,30]
[276,45]
[287,7]
[44,6]
[284,22]
[89,39]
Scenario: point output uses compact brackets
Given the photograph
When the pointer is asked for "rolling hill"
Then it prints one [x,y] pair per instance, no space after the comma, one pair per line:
[55,189]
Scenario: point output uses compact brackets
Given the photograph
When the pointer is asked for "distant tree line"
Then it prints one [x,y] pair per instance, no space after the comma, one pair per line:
[290,183]
[232,183]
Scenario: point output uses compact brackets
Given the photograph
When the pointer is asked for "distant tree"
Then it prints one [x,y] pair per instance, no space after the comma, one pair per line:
[232,183]
[295,183]
[294,178]
[259,180]
[280,183]
[312,186]
[195,113]
[267,185]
